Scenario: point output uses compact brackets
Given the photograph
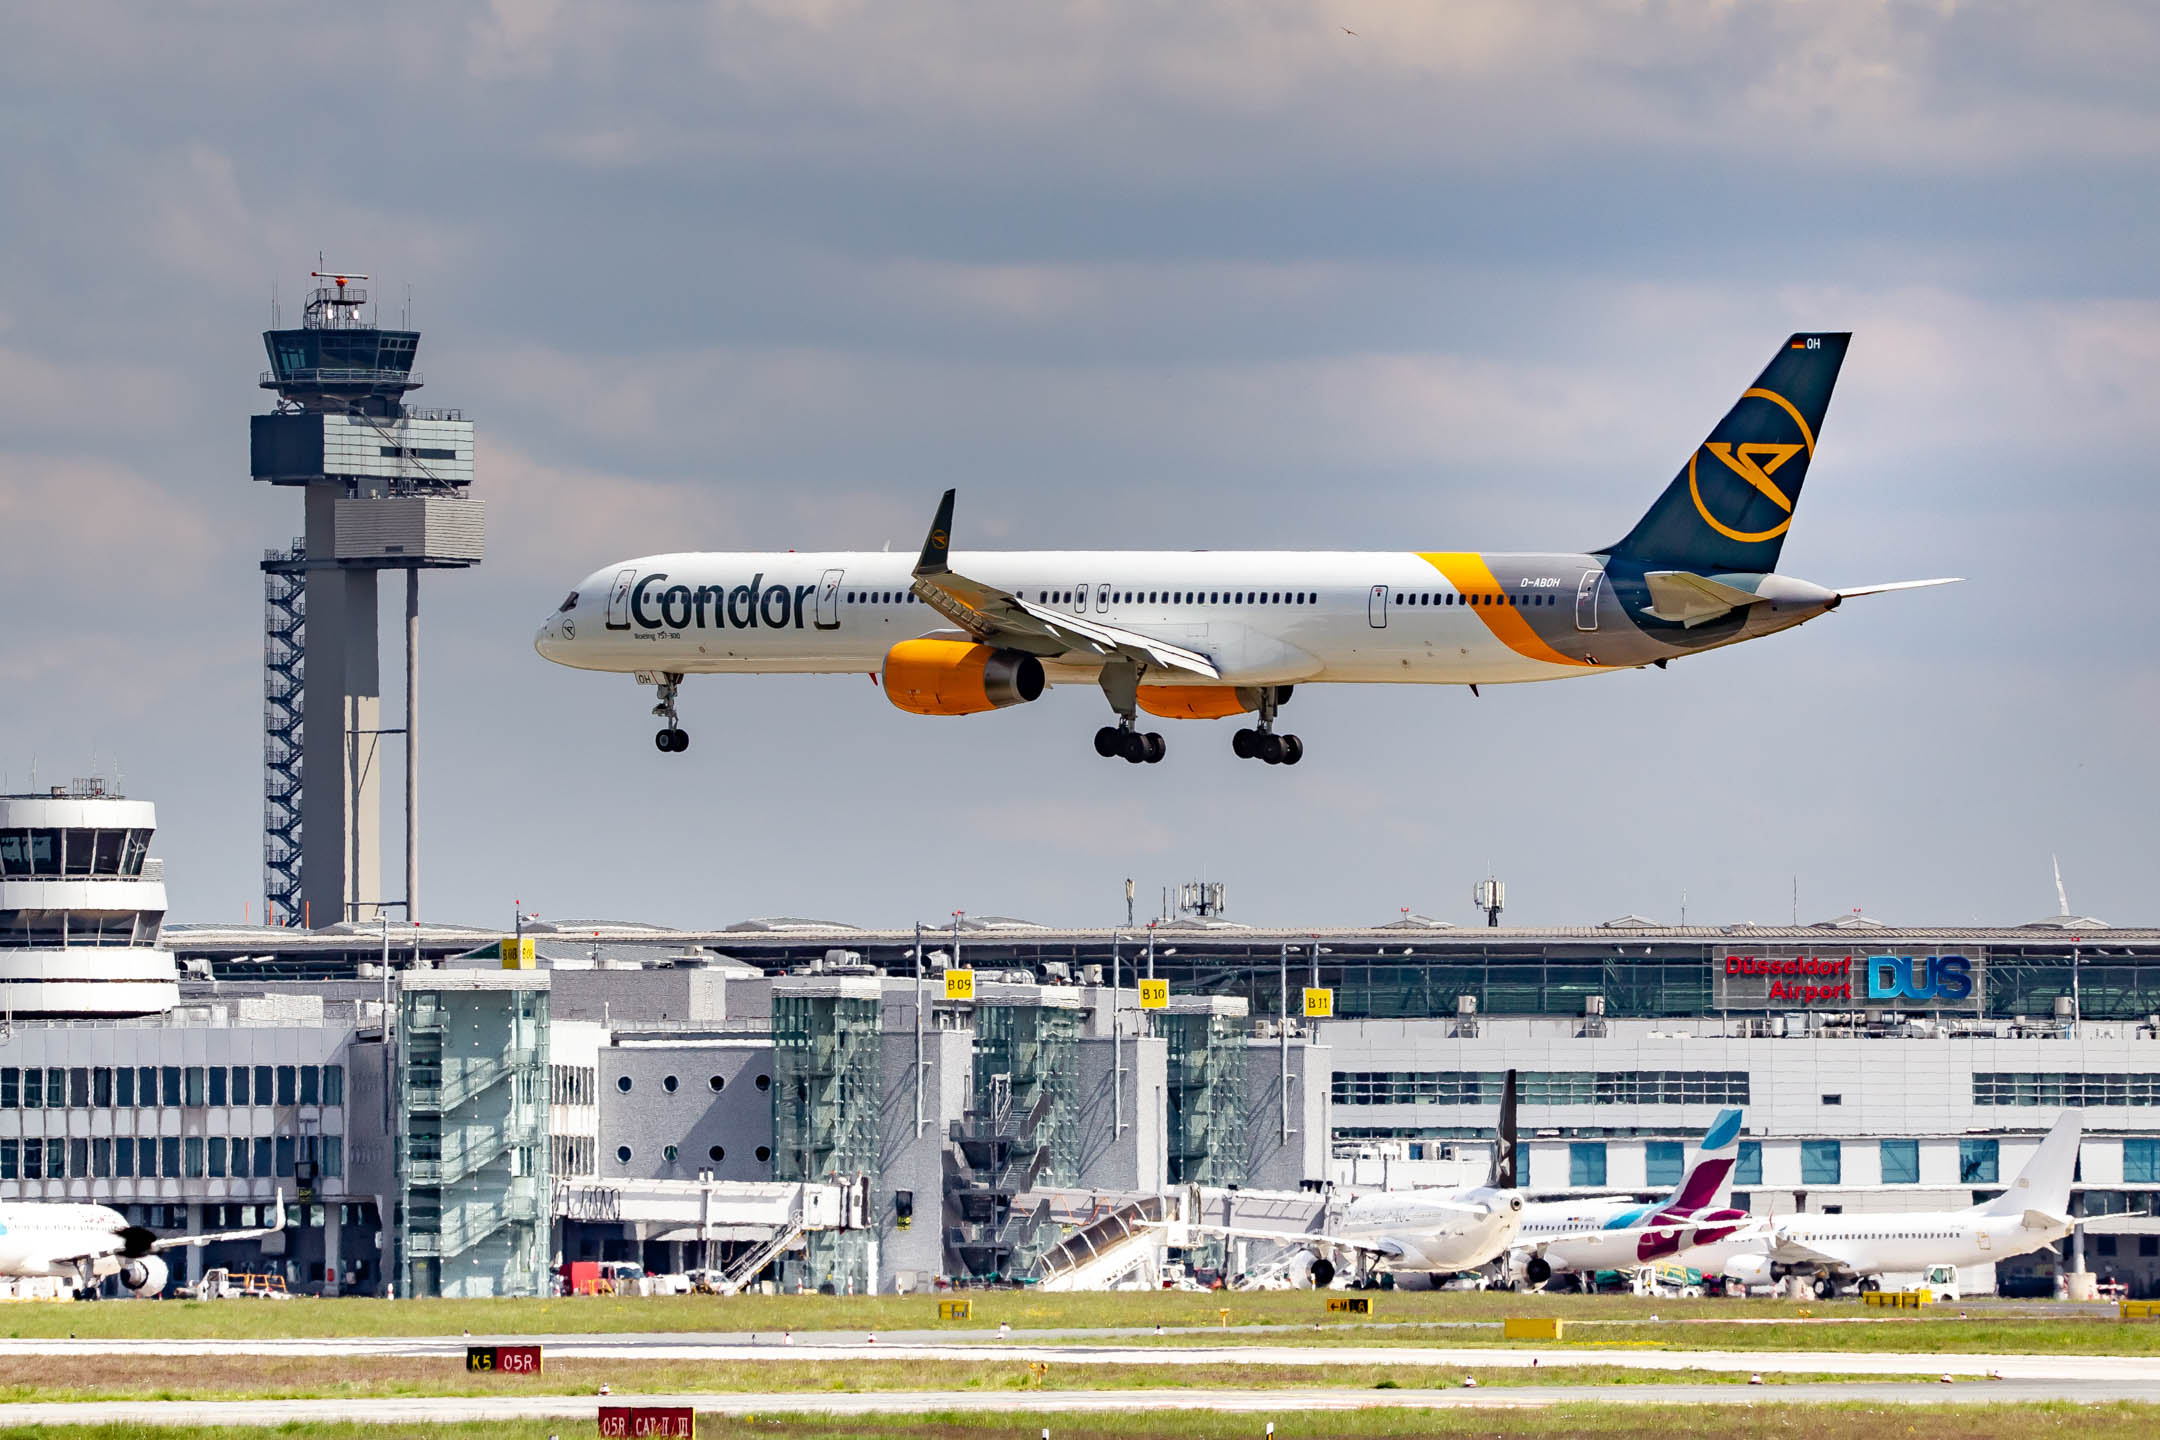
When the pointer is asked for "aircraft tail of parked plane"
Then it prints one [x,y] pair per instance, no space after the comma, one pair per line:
[2044,1183]
[1707,1185]
[1729,507]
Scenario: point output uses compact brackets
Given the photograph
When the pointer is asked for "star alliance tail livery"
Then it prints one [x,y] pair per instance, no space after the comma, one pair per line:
[1207,635]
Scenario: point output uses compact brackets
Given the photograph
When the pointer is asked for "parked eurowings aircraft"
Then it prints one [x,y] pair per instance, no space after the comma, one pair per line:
[1620,1233]
[2033,1212]
[89,1243]
[1202,635]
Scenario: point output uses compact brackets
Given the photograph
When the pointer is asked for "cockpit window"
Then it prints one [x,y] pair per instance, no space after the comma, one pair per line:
[568,605]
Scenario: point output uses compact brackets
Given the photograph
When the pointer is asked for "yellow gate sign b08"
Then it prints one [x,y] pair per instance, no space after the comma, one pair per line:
[959,984]
[1154,994]
[1319,1003]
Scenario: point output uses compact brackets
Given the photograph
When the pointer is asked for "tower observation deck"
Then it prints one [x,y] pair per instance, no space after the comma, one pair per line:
[385,487]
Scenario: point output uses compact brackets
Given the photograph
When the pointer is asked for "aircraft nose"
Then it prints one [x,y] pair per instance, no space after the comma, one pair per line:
[550,639]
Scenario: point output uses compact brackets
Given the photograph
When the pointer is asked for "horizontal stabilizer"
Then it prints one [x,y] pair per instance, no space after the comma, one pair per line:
[1691,599]
[1898,585]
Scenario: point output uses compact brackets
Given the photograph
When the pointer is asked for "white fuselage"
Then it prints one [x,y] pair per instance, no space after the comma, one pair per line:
[47,1240]
[1879,1244]
[1436,1230]
[1263,617]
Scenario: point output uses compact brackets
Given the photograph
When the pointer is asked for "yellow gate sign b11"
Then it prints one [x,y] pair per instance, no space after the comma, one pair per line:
[1319,1003]
[1154,994]
[959,984]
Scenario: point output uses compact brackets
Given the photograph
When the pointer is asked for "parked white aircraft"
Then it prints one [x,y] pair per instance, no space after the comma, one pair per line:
[1207,635]
[2033,1212]
[89,1243]
[1621,1233]
[1439,1231]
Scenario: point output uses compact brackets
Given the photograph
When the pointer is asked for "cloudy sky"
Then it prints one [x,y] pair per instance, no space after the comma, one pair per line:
[771,275]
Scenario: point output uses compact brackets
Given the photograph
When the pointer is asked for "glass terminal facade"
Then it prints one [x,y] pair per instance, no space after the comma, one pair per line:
[472,1151]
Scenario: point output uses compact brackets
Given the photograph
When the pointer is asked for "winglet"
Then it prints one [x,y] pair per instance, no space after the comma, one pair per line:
[940,536]
[279,1222]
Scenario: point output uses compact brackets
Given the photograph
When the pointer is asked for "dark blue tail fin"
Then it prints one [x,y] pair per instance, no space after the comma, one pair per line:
[1729,507]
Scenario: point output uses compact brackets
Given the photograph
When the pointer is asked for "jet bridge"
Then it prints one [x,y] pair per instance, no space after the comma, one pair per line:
[1116,1241]
[771,1217]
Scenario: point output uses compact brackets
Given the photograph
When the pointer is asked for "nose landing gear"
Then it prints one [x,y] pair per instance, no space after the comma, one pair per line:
[672,739]
[1261,742]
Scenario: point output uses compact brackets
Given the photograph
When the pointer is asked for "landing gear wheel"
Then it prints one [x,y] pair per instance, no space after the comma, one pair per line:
[1109,742]
[1825,1288]
[672,739]
[1156,748]
[1241,744]
[1269,748]
[1293,749]
[1134,747]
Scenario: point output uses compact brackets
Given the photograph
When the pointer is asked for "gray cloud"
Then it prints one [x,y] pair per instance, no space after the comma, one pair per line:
[770,275]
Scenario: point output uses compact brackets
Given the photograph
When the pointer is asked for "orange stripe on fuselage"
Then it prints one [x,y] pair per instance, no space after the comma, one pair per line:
[1469,573]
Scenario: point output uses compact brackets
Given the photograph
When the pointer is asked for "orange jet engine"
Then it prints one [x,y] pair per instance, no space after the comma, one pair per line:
[959,677]
[1201,702]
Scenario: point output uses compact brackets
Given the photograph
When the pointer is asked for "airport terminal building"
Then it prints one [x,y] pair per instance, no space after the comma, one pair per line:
[454,1122]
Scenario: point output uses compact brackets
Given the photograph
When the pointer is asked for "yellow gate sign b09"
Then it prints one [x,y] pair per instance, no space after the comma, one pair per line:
[959,984]
[1154,994]
[1319,1003]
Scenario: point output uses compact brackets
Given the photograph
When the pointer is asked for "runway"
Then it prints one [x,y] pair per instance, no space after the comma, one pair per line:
[741,1349]
[436,1411]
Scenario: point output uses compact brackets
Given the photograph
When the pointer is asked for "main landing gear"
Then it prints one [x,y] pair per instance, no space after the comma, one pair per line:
[672,739]
[1121,687]
[1261,742]
[1138,748]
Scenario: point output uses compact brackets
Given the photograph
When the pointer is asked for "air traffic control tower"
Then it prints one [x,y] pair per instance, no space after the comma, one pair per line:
[385,485]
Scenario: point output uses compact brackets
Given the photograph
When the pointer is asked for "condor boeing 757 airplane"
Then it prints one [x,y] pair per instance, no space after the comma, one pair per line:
[1206,635]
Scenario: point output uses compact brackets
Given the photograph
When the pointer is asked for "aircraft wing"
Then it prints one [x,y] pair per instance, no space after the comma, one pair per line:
[1784,1249]
[1370,1245]
[179,1242]
[999,617]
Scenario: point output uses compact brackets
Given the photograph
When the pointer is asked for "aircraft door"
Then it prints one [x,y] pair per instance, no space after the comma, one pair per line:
[1586,595]
[618,600]
[1376,607]
[1080,598]
[1102,598]
[828,601]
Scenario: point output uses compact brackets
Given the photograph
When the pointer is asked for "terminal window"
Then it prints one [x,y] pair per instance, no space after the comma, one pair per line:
[1821,1162]
[1586,1163]
[1747,1169]
[1538,1087]
[2141,1160]
[1979,1162]
[1900,1162]
[2057,1088]
[1663,1162]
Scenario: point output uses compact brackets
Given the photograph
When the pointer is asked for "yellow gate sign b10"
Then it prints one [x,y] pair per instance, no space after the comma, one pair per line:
[1319,1003]
[959,984]
[1154,994]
